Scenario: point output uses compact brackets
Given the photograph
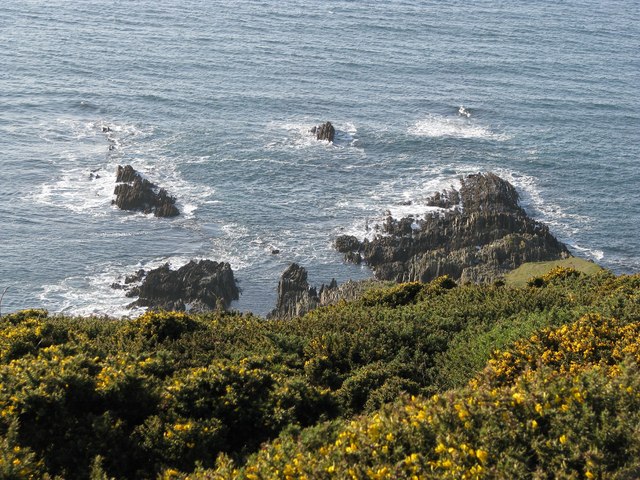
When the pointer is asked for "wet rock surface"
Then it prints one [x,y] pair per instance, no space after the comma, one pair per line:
[133,192]
[482,234]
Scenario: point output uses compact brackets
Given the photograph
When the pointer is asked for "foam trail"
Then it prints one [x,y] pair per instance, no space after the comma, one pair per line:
[591,253]
[437,126]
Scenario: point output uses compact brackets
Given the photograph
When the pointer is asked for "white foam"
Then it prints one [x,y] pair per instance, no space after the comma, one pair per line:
[566,226]
[403,197]
[297,135]
[89,294]
[592,253]
[437,126]
[188,209]
[92,294]
[74,190]
[292,135]
[66,129]
[235,245]
[90,149]
[538,205]
[463,112]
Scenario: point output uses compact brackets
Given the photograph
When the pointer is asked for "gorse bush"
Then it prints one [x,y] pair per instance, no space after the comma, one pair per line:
[404,382]
[542,426]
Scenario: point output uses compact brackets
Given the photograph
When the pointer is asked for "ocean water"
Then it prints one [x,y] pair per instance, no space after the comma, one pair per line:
[214,100]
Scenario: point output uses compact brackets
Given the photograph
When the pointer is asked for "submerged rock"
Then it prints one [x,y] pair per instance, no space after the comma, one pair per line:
[482,234]
[326,131]
[197,286]
[136,193]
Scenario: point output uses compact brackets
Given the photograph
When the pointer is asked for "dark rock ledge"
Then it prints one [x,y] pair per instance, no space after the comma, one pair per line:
[482,234]
[136,193]
[198,286]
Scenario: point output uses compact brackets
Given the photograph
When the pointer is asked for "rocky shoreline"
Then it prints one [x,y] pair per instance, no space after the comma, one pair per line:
[296,297]
[476,234]
[479,233]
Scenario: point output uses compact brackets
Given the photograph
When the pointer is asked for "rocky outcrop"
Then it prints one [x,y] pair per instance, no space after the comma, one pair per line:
[136,193]
[324,132]
[296,297]
[196,287]
[480,234]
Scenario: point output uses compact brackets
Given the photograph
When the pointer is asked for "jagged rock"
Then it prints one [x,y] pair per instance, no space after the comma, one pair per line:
[126,174]
[296,297]
[398,227]
[444,199]
[347,243]
[197,286]
[351,290]
[135,277]
[136,193]
[485,236]
[353,257]
[326,131]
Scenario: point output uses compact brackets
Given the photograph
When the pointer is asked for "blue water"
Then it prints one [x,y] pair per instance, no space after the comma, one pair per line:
[213,101]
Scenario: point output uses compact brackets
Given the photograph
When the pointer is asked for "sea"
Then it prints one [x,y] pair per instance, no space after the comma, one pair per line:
[214,100]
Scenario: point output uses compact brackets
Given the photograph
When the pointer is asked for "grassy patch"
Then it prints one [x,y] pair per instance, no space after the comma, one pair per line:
[521,275]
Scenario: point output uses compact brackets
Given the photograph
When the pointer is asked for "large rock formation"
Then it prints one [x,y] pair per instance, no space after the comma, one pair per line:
[296,297]
[136,193]
[197,286]
[324,132]
[480,234]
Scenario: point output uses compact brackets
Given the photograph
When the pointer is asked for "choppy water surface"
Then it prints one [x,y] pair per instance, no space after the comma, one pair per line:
[213,101]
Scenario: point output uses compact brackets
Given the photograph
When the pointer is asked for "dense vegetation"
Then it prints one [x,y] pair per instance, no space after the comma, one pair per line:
[412,381]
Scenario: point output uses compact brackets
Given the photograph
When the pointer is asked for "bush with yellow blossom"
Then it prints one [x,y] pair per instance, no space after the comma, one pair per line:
[401,383]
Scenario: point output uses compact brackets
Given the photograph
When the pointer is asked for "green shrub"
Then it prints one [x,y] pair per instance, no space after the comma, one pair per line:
[395,296]
[244,397]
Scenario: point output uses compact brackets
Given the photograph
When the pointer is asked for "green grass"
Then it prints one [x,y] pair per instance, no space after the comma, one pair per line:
[521,275]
